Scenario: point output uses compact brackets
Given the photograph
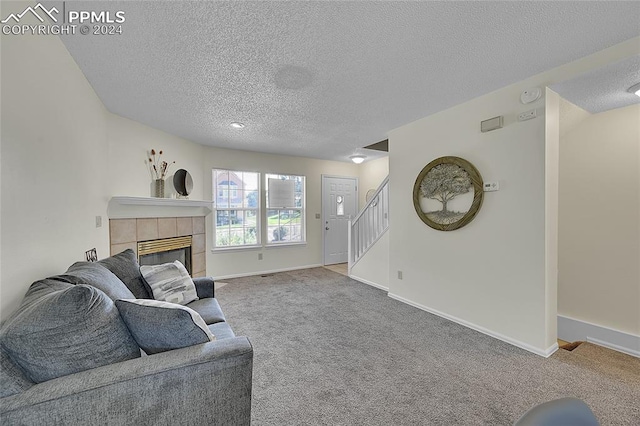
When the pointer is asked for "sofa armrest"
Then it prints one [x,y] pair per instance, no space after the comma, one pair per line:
[204,287]
[203,384]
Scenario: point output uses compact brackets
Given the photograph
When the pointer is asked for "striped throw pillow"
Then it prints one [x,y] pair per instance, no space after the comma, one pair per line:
[170,282]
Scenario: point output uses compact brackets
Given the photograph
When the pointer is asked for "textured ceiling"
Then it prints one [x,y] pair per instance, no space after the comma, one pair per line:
[604,88]
[320,79]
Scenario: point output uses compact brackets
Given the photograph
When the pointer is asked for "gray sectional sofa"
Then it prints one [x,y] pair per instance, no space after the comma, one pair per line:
[68,357]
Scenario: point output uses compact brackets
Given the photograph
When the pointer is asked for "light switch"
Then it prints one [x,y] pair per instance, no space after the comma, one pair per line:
[98,221]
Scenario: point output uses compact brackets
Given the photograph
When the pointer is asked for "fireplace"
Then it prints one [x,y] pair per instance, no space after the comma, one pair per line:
[166,250]
[161,240]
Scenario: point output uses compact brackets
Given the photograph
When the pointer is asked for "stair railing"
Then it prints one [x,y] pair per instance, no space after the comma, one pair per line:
[370,224]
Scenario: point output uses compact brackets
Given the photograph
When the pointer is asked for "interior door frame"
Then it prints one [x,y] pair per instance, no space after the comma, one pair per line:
[322,218]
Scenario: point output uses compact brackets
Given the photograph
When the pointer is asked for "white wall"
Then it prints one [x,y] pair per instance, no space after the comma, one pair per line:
[64,156]
[129,144]
[55,164]
[373,267]
[371,175]
[244,262]
[495,274]
[599,239]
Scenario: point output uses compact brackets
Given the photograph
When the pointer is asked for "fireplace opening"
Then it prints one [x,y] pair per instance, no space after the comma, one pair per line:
[157,252]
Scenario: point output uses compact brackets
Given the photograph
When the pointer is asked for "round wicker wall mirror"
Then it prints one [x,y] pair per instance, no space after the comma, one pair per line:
[448,193]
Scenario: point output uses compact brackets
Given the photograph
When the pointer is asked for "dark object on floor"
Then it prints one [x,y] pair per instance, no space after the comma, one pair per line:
[560,412]
[571,346]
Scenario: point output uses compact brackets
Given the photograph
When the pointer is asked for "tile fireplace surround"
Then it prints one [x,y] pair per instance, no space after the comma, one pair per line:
[126,233]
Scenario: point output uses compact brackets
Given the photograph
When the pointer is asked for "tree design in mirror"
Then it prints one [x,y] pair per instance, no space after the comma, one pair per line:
[448,193]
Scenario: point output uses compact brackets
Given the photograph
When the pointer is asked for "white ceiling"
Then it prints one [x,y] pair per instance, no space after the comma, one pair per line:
[604,88]
[320,79]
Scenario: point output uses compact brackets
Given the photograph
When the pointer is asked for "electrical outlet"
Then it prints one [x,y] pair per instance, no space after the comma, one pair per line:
[491,186]
[399,275]
[259,256]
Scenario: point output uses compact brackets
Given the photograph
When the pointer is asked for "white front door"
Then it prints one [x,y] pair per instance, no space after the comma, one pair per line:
[339,203]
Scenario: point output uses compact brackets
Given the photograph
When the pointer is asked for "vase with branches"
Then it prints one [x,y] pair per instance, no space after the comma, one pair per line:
[158,169]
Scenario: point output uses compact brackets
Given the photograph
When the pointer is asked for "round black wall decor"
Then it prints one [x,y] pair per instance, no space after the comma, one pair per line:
[448,193]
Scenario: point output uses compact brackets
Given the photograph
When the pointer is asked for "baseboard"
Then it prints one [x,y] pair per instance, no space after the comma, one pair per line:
[571,330]
[371,283]
[542,352]
[272,271]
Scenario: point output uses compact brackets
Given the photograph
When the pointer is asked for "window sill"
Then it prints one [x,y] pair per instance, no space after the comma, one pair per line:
[269,246]
[232,249]
[252,248]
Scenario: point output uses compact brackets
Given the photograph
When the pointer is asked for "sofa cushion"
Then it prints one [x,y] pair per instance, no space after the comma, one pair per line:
[125,266]
[170,282]
[209,310]
[98,276]
[222,330]
[12,378]
[60,329]
[162,326]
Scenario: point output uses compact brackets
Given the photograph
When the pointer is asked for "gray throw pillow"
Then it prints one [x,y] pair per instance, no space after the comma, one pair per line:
[170,282]
[125,266]
[95,274]
[61,329]
[161,326]
[12,378]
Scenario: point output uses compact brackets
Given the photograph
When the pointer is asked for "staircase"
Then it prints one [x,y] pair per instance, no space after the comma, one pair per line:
[370,224]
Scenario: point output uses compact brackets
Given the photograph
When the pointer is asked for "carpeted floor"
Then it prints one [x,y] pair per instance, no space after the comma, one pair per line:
[333,351]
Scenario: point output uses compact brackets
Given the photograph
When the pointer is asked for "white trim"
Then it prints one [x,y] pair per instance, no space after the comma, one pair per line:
[147,207]
[571,330]
[272,271]
[165,202]
[542,352]
[226,249]
[281,245]
[371,283]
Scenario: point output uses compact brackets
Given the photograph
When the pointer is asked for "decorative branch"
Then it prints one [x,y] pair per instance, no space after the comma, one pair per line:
[158,168]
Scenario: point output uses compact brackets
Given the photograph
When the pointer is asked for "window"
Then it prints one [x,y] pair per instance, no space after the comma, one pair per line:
[285,209]
[237,208]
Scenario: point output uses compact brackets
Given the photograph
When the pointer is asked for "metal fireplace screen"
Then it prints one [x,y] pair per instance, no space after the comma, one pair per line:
[166,250]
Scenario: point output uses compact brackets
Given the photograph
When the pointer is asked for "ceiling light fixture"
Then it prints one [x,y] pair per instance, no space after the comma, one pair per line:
[357,158]
[237,125]
[635,89]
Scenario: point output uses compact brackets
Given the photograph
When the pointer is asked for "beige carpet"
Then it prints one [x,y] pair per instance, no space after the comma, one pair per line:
[606,362]
[333,351]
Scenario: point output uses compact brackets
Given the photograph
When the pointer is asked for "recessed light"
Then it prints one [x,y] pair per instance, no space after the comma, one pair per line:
[357,158]
[237,125]
[635,89]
